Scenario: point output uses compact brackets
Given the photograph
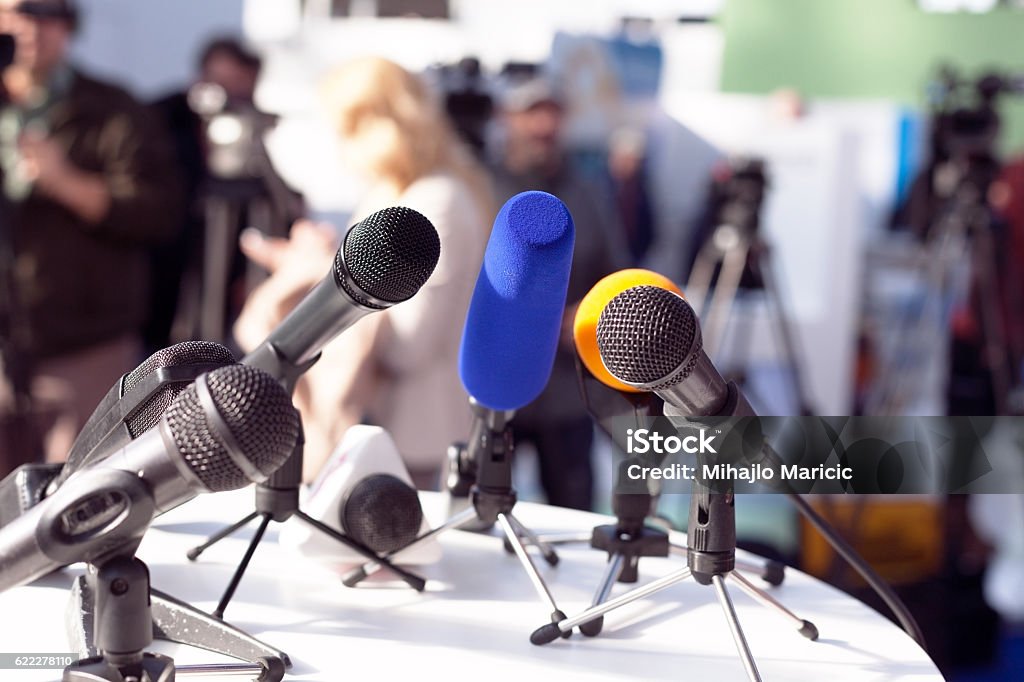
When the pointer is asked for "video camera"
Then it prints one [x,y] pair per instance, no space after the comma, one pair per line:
[737,192]
[965,129]
[234,133]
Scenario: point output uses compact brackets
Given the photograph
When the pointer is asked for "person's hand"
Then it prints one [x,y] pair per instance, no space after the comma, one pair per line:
[44,162]
[295,264]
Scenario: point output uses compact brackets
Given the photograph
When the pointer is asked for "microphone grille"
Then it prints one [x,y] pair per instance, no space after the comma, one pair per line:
[648,336]
[390,255]
[178,355]
[382,512]
[258,413]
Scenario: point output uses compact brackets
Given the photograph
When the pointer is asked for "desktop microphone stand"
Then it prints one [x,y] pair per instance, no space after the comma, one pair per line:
[729,251]
[629,539]
[277,499]
[111,622]
[711,559]
[489,456]
[113,615]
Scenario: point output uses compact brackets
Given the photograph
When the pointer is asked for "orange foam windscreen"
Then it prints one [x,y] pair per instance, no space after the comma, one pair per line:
[584,328]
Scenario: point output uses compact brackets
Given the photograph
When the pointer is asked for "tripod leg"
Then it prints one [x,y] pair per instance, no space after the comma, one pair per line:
[545,549]
[995,347]
[510,525]
[219,236]
[772,572]
[737,632]
[551,631]
[559,538]
[699,282]
[783,328]
[724,295]
[229,592]
[414,581]
[194,553]
[805,627]
[611,574]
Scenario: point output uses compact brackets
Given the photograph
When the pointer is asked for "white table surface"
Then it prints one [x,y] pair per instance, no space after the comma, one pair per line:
[476,615]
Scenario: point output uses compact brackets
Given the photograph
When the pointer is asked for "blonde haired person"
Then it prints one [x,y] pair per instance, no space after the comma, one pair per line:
[396,368]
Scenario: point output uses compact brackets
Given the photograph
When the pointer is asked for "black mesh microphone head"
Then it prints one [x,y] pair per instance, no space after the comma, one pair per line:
[381,512]
[388,255]
[178,355]
[257,412]
[649,338]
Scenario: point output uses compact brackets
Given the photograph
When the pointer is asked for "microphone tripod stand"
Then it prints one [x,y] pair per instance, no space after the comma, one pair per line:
[113,615]
[711,560]
[277,499]
[629,539]
[488,461]
[730,251]
[111,623]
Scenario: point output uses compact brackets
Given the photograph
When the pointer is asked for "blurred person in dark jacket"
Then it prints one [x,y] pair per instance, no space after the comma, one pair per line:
[88,190]
[532,158]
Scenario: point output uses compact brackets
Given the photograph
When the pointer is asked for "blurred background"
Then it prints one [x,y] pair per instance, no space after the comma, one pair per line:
[838,187]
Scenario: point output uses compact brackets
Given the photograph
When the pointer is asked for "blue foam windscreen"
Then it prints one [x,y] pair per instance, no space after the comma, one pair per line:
[515,316]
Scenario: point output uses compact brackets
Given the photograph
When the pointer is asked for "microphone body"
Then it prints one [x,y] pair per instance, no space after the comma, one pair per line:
[383,260]
[515,316]
[325,312]
[232,427]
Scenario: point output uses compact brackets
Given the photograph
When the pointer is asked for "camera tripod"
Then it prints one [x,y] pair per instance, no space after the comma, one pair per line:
[711,560]
[730,251]
[277,499]
[488,461]
[966,228]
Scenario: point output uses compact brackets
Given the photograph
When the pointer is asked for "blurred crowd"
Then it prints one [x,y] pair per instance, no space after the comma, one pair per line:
[113,210]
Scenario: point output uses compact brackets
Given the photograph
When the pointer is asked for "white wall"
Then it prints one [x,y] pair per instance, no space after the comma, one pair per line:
[150,46]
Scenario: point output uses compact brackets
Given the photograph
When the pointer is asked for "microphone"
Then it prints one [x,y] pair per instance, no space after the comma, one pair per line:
[131,407]
[231,427]
[383,260]
[515,316]
[135,403]
[512,327]
[381,512]
[649,339]
[584,328]
[505,358]
[608,399]
[365,491]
